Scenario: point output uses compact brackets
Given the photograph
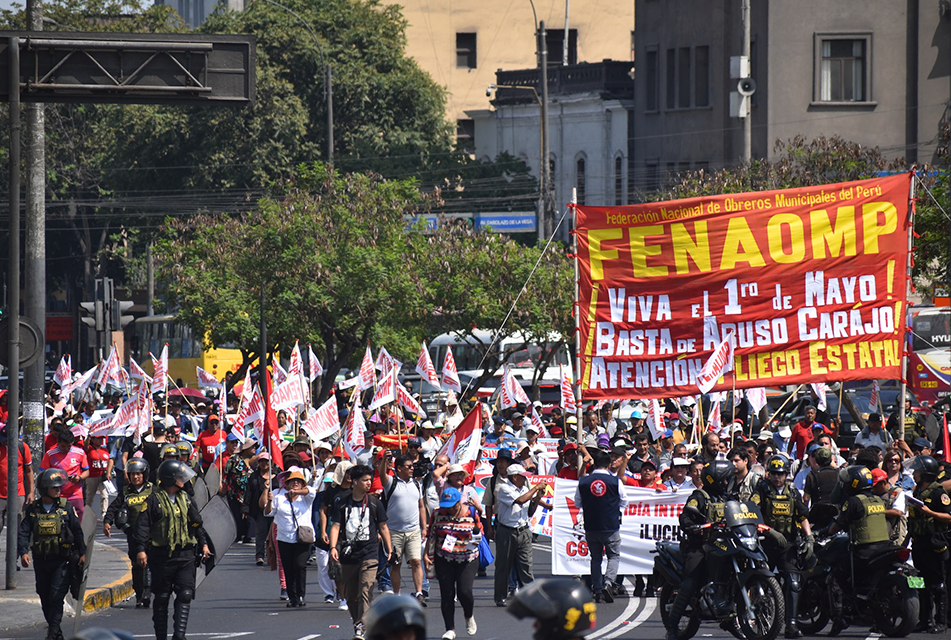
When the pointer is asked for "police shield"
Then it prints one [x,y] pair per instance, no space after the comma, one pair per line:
[220,526]
[201,493]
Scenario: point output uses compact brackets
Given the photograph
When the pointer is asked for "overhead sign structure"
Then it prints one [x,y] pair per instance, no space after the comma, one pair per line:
[131,68]
[810,283]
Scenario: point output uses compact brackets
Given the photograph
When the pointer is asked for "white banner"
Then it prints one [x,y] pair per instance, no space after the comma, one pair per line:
[650,516]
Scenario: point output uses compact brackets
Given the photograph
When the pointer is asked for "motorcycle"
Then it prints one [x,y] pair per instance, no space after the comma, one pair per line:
[887,598]
[741,592]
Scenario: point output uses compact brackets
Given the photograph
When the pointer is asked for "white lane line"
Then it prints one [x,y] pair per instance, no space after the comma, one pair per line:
[873,636]
[310,637]
[646,612]
[632,605]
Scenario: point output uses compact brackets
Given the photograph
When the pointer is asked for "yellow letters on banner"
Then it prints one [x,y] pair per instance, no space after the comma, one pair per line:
[686,246]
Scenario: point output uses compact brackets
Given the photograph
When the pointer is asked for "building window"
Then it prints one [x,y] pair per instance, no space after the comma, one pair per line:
[465,134]
[651,180]
[651,79]
[843,73]
[466,50]
[555,40]
[701,81]
[580,180]
[618,181]
[671,78]
[683,78]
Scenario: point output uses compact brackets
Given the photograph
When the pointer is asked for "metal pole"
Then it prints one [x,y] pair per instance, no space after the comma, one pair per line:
[34,265]
[13,285]
[150,280]
[577,314]
[564,44]
[330,115]
[903,338]
[748,120]
[262,347]
[546,166]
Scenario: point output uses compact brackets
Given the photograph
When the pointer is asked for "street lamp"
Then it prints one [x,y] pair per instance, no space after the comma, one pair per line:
[328,77]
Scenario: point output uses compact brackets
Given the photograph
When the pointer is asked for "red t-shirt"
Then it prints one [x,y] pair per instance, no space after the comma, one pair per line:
[569,473]
[98,461]
[656,484]
[74,462]
[26,460]
[50,441]
[800,438]
[207,442]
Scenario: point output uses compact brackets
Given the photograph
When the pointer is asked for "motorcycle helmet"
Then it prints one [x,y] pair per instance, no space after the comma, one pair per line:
[777,464]
[859,478]
[185,449]
[52,478]
[393,613]
[172,472]
[716,474]
[137,465]
[563,608]
[927,466]
[169,450]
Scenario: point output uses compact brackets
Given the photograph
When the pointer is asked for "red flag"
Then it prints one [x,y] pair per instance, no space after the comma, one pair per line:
[463,445]
[272,437]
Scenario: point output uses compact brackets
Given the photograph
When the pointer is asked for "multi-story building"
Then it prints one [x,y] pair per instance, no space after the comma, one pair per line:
[877,72]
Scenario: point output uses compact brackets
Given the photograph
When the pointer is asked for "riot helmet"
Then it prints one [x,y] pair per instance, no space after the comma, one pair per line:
[858,479]
[174,472]
[716,475]
[137,465]
[393,613]
[563,608]
[777,464]
[52,479]
[927,466]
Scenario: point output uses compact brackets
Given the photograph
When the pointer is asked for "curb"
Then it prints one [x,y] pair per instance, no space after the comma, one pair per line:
[112,593]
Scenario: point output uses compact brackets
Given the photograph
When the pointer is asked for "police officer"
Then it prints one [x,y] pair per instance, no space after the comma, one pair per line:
[51,529]
[863,515]
[396,617]
[166,536]
[708,501]
[928,521]
[786,514]
[123,513]
[563,608]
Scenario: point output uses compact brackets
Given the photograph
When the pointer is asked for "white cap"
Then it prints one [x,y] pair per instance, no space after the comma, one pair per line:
[680,462]
[320,444]
[456,468]
[765,434]
[785,432]
[516,470]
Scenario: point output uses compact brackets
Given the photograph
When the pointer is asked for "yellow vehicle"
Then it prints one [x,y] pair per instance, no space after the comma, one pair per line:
[185,350]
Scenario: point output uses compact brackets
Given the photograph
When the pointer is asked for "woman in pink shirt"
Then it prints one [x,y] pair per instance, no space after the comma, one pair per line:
[73,461]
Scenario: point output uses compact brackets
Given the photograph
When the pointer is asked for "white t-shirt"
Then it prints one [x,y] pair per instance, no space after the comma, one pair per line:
[285,512]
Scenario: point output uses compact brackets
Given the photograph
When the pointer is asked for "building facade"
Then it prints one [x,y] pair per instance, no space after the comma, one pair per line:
[876,72]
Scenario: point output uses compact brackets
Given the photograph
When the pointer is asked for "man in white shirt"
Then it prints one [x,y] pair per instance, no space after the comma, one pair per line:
[516,504]
[406,518]
[873,434]
[679,480]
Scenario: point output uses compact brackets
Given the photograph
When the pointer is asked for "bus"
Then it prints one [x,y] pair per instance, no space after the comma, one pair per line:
[930,360]
[467,353]
[185,349]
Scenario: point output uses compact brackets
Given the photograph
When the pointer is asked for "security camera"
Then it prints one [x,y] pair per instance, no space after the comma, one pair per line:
[489,89]
[746,86]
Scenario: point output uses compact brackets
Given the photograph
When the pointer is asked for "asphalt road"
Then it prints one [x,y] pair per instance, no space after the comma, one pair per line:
[240,600]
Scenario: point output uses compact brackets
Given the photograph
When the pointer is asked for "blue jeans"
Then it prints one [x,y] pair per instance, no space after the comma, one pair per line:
[601,543]
[383,573]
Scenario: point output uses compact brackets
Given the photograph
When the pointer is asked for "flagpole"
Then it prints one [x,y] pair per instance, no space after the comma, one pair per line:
[184,397]
[791,396]
[898,305]
[577,308]
[838,413]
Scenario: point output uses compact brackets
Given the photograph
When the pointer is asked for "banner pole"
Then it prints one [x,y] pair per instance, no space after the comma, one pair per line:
[577,314]
[902,341]
[791,396]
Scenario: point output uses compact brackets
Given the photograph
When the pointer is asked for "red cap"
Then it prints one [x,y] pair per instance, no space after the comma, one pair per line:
[878,475]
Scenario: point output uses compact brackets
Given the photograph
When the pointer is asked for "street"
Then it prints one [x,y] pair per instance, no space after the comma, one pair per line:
[240,600]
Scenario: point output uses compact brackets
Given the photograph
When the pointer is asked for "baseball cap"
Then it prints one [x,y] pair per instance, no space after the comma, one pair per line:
[785,432]
[571,420]
[874,417]
[517,415]
[556,431]
[570,446]
[505,454]
[413,442]
[450,497]
[680,462]
[819,425]
[878,475]
[232,438]
[616,451]
[921,443]
[765,434]
[649,463]
[517,470]
[427,424]
[320,444]
[823,455]
[668,433]
[531,427]
[455,468]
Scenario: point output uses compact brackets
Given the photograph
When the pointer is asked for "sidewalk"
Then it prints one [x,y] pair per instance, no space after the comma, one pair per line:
[110,582]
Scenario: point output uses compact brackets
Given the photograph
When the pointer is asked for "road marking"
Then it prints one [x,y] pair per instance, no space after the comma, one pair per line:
[873,636]
[213,634]
[310,637]
[649,605]
[632,605]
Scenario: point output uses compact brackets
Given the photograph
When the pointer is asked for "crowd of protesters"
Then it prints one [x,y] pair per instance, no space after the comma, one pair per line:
[392,518]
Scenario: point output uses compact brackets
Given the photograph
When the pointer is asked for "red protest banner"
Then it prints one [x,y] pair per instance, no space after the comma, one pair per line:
[810,281]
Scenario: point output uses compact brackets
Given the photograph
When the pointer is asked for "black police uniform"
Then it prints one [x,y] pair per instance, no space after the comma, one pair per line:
[711,508]
[123,513]
[170,531]
[784,513]
[53,533]
[929,549]
[863,515]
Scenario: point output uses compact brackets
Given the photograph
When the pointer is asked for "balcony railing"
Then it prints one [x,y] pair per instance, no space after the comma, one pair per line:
[609,77]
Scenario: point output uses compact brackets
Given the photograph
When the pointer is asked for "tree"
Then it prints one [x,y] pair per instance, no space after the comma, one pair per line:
[474,277]
[330,255]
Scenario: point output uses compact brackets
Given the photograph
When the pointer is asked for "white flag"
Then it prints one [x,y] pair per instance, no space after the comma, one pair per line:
[385,391]
[719,363]
[288,395]
[160,371]
[538,423]
[136,372]
[354,440]
[109,370]
[206,380]
[253,413]
[873,397]
[655,420]
[280,374]
[450,376]
[512,392]
[567,395]
[756,398]
[367,373]
[323,422]
[406,399]
[385,362]
[714,421]
[820,389]
[81,383]
[64,372]
[425,368]
[314,365]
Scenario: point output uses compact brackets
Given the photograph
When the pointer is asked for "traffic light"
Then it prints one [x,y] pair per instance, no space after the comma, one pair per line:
[120,321]
[94,318]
